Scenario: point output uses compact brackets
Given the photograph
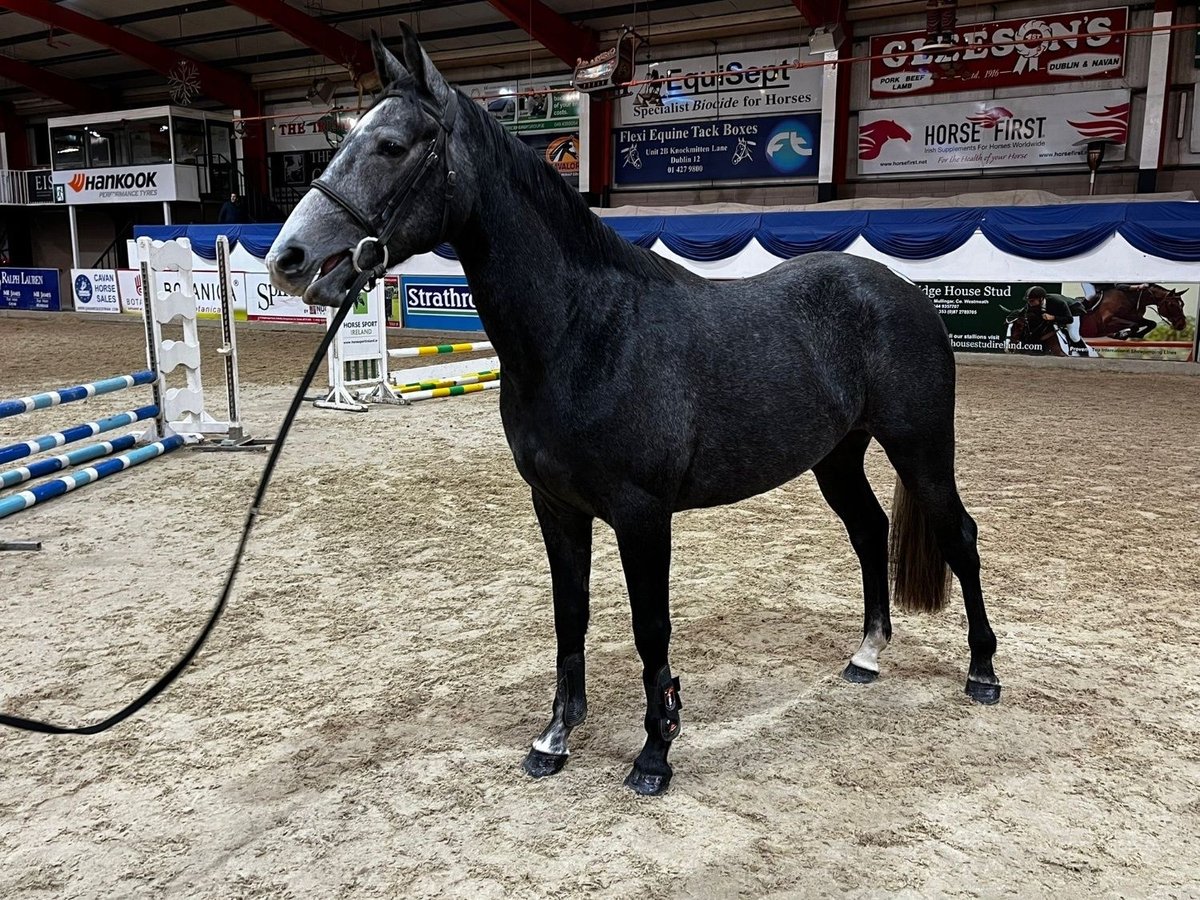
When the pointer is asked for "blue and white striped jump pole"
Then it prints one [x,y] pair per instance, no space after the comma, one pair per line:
[21,449]
[66,460]
[71,394]
[56,487]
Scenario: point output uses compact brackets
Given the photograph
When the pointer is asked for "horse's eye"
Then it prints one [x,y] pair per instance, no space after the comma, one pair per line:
[390,148]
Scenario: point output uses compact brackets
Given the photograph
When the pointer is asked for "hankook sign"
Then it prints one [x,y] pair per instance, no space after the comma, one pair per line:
[123,184]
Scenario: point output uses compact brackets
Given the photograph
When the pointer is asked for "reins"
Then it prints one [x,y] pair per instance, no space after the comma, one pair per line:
[368,274]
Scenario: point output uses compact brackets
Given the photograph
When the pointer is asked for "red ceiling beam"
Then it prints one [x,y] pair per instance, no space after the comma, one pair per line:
[230,89]
[822,12]
[335,45]
[566,40]
[75,94]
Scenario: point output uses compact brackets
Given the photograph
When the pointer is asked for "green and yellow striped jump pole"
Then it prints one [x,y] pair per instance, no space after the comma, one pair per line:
[435,349]
[454,391]
[470,378]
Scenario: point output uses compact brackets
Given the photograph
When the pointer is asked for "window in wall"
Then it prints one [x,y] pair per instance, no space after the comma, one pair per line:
[149,141]
[39,146]
[189,141]
[106,145]
[69,146]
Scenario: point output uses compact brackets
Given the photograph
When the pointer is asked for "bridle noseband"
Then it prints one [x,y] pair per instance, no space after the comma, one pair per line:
[379,234]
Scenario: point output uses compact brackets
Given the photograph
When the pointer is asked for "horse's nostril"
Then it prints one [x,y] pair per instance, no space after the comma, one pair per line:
[290,260]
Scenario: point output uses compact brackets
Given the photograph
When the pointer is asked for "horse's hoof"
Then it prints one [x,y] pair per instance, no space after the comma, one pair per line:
[539,764]
[980,692]
[858,675]
[645,784]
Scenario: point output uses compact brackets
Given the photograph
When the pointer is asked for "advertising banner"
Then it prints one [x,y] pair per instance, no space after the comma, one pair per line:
[204,285]
[118,184]
[309,129]
[361,336]
[443,303]
[695,92]
[29,289]
[977,316]
[560,149]
[1043,49]
[266,303]
[39,186]
[1048,130]
[95,291]
[731,149]
[512,104]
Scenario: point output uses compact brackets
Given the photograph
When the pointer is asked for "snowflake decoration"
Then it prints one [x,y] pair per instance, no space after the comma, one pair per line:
[184,83]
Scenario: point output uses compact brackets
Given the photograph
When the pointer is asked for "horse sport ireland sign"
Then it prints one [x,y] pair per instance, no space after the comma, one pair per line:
[1041,49]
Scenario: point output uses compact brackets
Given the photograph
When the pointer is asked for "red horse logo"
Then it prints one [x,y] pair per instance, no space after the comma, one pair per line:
[77,182]
[873,135]
[1110,124]
[990,116]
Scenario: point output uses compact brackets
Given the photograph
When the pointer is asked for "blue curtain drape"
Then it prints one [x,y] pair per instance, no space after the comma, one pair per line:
[1052,232]
[640,230]
[920,233]
[1170,230]
[706,238]
[791,234]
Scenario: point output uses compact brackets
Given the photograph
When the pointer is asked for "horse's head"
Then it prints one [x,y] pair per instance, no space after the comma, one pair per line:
[1170,305]
[390,180]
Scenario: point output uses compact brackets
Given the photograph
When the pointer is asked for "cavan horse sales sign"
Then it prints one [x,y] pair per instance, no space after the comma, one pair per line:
[1062,48]
[1053,129]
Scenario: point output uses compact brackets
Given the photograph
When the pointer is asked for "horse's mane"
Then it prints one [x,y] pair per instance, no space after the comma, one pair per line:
[536,178]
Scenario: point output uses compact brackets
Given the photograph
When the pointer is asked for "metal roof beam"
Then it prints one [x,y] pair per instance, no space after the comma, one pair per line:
[335,45]
[566,40]
[227,88]
[75,94]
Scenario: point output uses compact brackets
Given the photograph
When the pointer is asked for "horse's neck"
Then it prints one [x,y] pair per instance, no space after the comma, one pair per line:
[524,249]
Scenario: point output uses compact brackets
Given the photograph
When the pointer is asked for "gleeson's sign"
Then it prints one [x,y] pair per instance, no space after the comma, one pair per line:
[1042,49]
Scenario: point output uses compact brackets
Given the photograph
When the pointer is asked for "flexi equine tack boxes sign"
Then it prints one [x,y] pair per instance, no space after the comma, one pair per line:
[120,184]
[694,92]
[1044,49]
[728,150]
[1052,129]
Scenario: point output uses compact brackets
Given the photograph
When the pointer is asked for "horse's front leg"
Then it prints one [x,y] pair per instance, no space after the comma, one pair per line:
[1140,329]
[568,537]
[644,540]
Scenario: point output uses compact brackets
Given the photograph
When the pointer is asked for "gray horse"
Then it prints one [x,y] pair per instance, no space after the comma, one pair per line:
[634,389]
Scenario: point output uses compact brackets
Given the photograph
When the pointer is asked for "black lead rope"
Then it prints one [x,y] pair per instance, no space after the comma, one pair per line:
[369,276]
[377,246]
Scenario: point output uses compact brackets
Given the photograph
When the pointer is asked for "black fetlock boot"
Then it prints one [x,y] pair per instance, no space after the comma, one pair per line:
[651,772]
[549,752]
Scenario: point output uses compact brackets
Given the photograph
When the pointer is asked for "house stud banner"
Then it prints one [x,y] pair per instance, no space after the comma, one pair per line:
[1052,129]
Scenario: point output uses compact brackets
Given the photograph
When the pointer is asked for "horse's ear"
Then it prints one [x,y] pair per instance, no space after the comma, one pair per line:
[414,57]
[387,67]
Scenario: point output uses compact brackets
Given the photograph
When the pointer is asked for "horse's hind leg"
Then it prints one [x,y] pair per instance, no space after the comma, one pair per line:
[845,487]
[568,537]
[925,464]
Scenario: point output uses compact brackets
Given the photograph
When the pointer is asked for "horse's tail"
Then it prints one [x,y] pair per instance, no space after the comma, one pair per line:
[920,576]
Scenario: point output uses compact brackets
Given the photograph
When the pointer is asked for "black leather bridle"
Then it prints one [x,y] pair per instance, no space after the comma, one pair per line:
[369,272]
[379,234]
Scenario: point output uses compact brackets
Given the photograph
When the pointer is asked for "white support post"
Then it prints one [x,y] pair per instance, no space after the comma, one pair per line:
[228,348]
